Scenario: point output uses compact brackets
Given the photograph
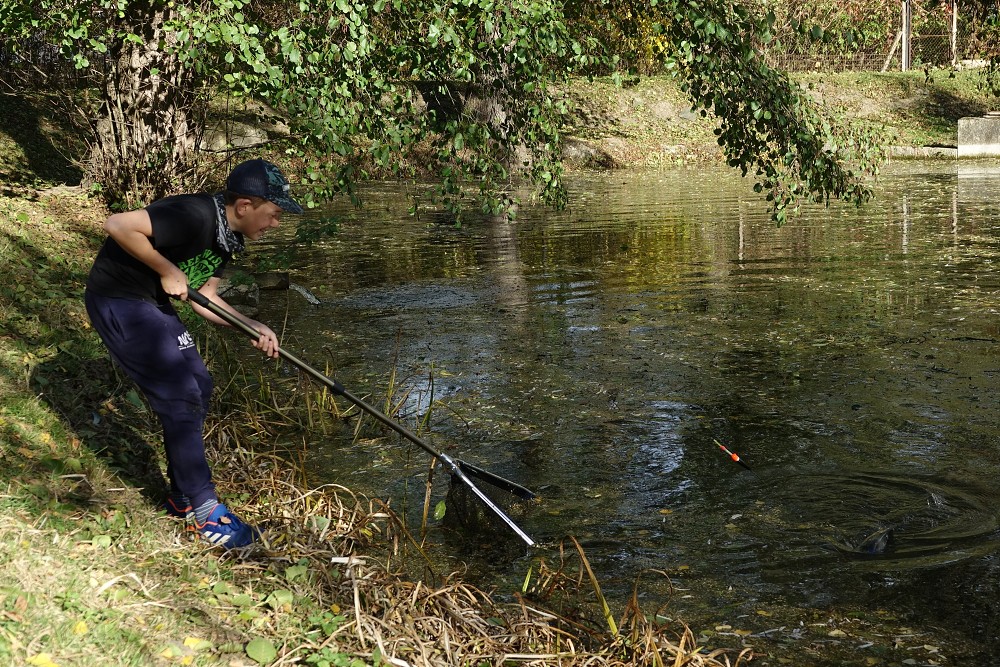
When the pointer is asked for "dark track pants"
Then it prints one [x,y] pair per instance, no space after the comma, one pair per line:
[154,348]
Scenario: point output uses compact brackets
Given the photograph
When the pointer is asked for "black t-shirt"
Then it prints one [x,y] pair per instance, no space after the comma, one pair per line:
[184,231]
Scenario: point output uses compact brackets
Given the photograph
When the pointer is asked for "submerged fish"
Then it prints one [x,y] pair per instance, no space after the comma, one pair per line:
[881,541]
[306,294]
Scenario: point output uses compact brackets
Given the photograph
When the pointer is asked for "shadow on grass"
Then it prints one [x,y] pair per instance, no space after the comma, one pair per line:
[948,107]
[44,137]
[105,412]
[940,110]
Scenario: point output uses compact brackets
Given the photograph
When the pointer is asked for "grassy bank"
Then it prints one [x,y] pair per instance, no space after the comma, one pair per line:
[92,574]
[648,122]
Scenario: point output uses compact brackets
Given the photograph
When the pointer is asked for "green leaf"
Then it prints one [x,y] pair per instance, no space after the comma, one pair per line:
[439,510]
[279,598]
[135,400]
[262,651]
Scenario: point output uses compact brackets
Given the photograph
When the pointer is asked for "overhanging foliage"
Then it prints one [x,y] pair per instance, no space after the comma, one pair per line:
[370,84]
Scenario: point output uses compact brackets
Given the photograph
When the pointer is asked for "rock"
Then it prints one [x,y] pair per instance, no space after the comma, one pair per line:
[585,155]
[227,135]
[272,280]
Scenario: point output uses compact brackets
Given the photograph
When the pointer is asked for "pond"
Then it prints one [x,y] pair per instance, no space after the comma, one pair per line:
[600,355]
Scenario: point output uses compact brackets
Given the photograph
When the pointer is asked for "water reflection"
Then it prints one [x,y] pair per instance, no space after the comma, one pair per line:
[595,355]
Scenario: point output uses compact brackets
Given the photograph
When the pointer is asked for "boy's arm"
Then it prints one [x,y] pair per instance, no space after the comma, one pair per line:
[268,340]
[132,231]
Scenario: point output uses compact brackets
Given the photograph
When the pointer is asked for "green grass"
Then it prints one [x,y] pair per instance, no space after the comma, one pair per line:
[648,122]
[914,108]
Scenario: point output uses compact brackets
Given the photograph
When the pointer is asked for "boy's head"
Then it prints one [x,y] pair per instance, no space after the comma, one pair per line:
[261,179]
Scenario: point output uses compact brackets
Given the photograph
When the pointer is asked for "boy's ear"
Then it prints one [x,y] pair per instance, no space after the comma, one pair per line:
[241,201]
[252,202]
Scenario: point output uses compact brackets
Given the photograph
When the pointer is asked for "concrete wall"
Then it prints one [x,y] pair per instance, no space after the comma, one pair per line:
[979,137]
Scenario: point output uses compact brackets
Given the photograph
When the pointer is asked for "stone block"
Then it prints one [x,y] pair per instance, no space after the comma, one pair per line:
[979,137]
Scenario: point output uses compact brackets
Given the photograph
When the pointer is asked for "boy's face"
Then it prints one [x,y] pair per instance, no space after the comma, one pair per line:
[253,220]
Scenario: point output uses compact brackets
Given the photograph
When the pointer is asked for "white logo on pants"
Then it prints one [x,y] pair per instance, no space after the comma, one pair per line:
[184,341]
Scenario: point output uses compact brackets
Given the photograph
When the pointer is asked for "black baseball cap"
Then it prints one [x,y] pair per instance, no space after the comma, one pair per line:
[260,178]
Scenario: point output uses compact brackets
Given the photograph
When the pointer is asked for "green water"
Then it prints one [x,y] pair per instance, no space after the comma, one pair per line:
[596,355]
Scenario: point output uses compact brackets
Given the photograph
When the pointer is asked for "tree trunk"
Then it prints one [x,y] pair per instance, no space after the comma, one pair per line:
[147,128]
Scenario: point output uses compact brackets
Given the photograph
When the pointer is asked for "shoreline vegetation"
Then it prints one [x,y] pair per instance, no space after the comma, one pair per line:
[93,574]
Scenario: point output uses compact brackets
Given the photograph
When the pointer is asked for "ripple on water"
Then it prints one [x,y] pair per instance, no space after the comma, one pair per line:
[871,521]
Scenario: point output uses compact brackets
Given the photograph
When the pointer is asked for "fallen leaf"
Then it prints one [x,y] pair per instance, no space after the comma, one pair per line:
[196,643]
[261,650]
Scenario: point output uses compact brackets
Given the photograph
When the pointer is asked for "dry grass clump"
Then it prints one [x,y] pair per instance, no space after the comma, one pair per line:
[370,605]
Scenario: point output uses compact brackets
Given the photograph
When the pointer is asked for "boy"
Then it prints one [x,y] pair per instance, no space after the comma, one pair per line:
[153,254]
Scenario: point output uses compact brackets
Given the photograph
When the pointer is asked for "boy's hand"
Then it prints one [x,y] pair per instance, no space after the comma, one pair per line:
[175,284]
[268,341]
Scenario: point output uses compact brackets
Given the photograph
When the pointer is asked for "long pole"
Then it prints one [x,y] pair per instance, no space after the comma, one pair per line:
[456,468]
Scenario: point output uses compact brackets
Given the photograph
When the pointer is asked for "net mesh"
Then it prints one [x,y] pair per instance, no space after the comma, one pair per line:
[469,516]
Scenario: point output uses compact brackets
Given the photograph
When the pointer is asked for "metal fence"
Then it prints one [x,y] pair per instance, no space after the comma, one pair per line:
[827,62]
[932,35]
[925,51]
